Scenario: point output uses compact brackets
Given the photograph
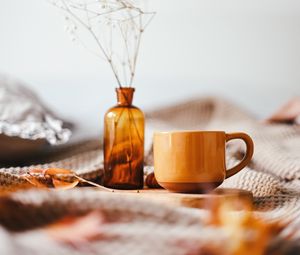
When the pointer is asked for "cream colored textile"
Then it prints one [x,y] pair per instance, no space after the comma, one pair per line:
[273,176]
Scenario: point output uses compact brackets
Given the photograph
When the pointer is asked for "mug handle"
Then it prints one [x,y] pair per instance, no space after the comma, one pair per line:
[248,156]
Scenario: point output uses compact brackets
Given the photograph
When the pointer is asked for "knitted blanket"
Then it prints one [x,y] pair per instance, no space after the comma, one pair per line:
[273,177]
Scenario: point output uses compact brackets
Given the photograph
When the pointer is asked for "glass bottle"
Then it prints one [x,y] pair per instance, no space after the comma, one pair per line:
[124,143]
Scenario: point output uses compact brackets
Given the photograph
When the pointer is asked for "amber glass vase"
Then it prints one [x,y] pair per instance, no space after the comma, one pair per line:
[124,143]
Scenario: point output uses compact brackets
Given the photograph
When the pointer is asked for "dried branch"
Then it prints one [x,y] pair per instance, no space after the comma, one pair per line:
[115,27]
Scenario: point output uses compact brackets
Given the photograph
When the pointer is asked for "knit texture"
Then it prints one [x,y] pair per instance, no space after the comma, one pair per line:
[273,177]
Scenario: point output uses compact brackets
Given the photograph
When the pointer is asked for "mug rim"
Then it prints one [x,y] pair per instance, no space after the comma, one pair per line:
[188,131]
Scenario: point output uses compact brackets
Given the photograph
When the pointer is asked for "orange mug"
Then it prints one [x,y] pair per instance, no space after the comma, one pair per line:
[194,161]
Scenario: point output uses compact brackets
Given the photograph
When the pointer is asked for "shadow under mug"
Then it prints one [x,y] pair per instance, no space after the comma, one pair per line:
[194,161]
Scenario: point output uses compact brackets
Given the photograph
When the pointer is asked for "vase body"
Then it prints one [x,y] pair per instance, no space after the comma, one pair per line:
[124,143]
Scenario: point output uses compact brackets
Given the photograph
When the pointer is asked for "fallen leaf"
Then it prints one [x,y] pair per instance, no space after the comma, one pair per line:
[55,174]
[248,233]
[35,182]
[56,171]
[59,184]
[78,231]
[289,113]
[37,171]
[60,179]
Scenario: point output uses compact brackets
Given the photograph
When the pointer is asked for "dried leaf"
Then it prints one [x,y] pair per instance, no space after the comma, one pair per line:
[55,174]
[59,184]
[238,224]
[35,182]
[57,171]
[37,171]
[58,178]
[289,113]
[77,231]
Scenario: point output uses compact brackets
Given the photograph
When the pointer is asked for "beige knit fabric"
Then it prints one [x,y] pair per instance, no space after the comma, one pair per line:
[273,177]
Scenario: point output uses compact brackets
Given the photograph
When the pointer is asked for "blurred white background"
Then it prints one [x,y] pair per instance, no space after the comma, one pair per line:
[247,51]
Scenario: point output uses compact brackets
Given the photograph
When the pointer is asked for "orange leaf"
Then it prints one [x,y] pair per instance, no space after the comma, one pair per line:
[77,230]
[289,112]
[59,184]
[57,181]
[37,171]
[57,171]
[35,182]
[31,177]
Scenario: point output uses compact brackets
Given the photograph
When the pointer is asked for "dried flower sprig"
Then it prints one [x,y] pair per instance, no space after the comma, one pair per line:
[115,27]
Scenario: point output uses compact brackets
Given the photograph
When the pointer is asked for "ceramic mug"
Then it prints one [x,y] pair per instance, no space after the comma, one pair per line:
[194,161]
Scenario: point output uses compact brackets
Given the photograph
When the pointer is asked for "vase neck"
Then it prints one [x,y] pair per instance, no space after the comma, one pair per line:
[125,96]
